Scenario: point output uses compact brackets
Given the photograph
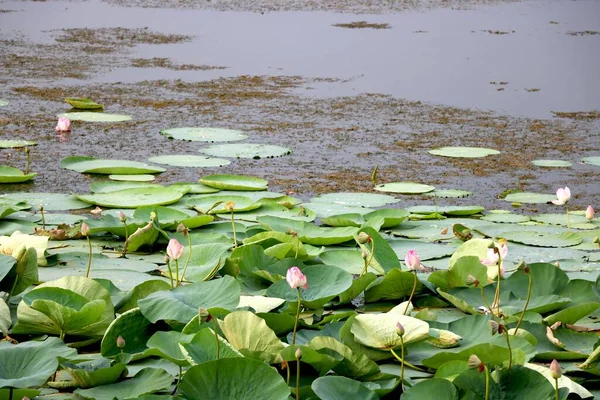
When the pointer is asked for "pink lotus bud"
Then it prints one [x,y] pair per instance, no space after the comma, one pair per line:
[295,278]
[589,213]
[475,363]
[399,329]
[174,249]
[412,260]
[563,196]
[120,342]
[85,229]
[122,217]
[555,370]
[63,125]
[298,353]
[363,238]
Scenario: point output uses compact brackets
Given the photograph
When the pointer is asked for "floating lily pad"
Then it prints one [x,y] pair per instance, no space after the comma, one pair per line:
[133,198]
[463,152]
[186,160]
[110,186]
[448,193]
[83,103]
[530,197]
[356,199]
[3,103]
[91,165]
[552,163]
[505,218]
[591,160]
[203,134]
[205,203]
[449,210]
[132,178]
[247,150]
[560,219]
[234,182]
[9,144]
[196,188]
[14,175]
[544,239]
[326,210]
[87,116]
[404,188]
[50,201]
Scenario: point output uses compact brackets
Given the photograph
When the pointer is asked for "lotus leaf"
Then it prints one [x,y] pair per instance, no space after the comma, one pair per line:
[341,388]
[99,372]
[435,388]
[404,188]
[132,178]
[505,218]
[50,201]
[133,198]
[356,199]
[189,161]
[208,203]
[148,380]
[352,364]
[87,116]
[591,160]
[552,163]
[5,318]
[204,134]
[249,333]
[380,255]
[166,345]
[396,284]
[91,165]
[326,210]
[529,197]
[83,103]
[203,348]
[14,175]
[8,144]
[134,328]
[463,152]
[542,239]
[234,182]
[448,193]
[247,150]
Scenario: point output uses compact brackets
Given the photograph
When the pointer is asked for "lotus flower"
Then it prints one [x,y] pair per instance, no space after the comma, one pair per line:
[563,196]
[85,229]
[174,249]
[295,278]
[589,213]
[412,261]
[555,370]
[64,125]
[493,257]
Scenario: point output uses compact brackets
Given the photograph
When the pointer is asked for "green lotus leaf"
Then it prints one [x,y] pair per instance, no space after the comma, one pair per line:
[133,198]
[356,199]
[131,178]
[435,388]
[204,134]
[246,150]
[88,116]
[182,303]
[134,328]
[148,380]
[380,254]
[458,274]
[249,333]
[563,382]
[491,354]
[206,203]
[83,103]
[5,394]
[463,152]
[260,304]
[204,262]
[341,388]
[591,160]
[50,201]
[5,318]
[196,188]
[234,182]
[426,250]
[350,261]
[352,364]
[140,291]
[14,175]
[326,210]
[24,273]
[166,345]
[505,218]
[10,144]
[543,239]
[169,218]
[391,216]
[92,165]
[99,372]
[560,219]
[448,193]
[110,186]
[189,161]
[395,285]
[404,188]
[448,210]
[552,163]
[379,330]
[529,197]
[233,378]
[309,233]
[203,348]
[30,364]
[572,314]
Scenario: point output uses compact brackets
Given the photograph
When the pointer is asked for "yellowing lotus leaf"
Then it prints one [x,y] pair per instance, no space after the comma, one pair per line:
[13,245]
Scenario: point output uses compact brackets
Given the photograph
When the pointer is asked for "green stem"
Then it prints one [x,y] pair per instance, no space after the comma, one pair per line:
[436,205]
[12,289]
[288,373]
[10,393]
[124,252]
[568,218]
[402,366]
[297,317]
[170,274]
[556,388]
[62,335]
[43,217]
[526,302]
[217,338]
[406,362]
[411,293]
[178,380]
[487,382]
[297,247]
[497,294]
[509,352]
[176,272]
[89,266]
[372,254]
[364,270]
[297,379]
[189,257]
[234,233]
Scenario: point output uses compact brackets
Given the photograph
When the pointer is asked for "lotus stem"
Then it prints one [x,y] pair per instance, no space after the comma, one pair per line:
[509,351]
[556,388]
[12,289]
[178,380]
[435,196]
[62,335]
[402,367]
[10,393]
[189,257]
[297,378]
[287,368]
[368,262]
[43,217]
[89,266]
[496,302]
[28,165]
[297,247]
[374,175]
[217,338]
[487,382]
[297,317]
[411,293]
[170,273]
[176,272]
[406,362]
[568,218]
[526,301]
[234,233]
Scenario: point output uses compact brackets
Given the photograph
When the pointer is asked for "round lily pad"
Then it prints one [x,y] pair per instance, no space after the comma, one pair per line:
[186,160]
[91,165]
[87,116]
[196,188]
[448,193]
[560,219]
[204,203]
[463,152]
[133,198]
[7,144]
[50,201]
[404,188]
[544,239]
[247,150]
[356,199]
[591,160]
[14,175]
[552,163]
[530,197]
[203,134]
[3,103]
[505,218]
[83,103]
[113,186]
[234,182]
[132,178]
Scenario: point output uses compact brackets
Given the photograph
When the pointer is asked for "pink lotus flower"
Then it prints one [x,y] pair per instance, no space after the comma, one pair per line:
[493,257]
[174,249]
[412,261]
[295,278]
[555,370]
[589,213]
[85,229]
[64,125]
[563,196]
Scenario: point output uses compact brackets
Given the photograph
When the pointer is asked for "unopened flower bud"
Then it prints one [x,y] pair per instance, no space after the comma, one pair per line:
[399,329]
[120,342]
[298,353]
[229,206]
[495,327]
[475,363]
[183,229]
[122,217]
[364,255]
[589,213]
[555,370]
[363,238]
[471,280]
[85,229]
[204,315]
